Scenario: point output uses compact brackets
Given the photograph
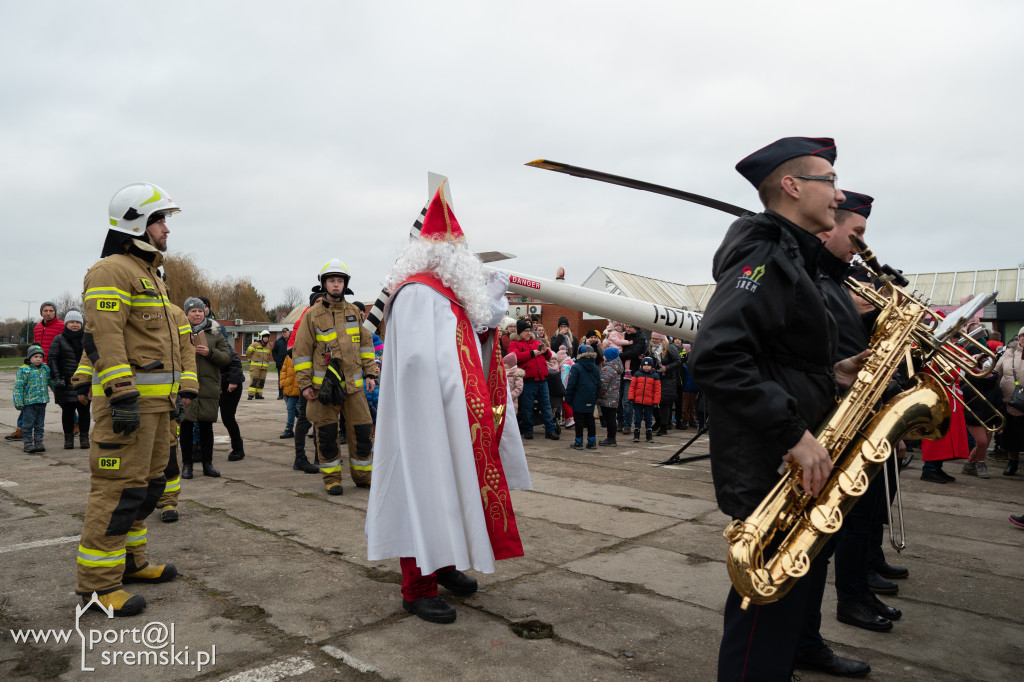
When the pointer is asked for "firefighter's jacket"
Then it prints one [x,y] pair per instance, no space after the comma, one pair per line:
[258,355]
[332,330]
[137,343]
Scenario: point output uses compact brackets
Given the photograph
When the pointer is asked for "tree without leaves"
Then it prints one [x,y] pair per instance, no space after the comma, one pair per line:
[67,301]
[230,298]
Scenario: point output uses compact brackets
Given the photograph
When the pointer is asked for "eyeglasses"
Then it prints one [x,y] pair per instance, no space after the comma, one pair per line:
[834,179]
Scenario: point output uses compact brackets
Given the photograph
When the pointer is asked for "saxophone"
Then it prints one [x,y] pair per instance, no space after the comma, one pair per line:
[774,547]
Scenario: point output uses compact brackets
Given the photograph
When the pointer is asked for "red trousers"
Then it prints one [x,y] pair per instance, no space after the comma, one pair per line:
[415,585]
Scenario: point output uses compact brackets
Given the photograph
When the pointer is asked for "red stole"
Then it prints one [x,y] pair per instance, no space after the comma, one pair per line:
[485,407]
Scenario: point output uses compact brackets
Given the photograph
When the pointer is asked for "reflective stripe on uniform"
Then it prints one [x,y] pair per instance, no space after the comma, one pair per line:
[185,376]
[85,370]
[304,362]
[330,467]
[258,364]
[357,378]
[318,376]
[135,538]
[173,485]
[365,352]
[326,335]
[361,464]
[107,292]
[146,301]
[115,372]
[185,329]
[97,557]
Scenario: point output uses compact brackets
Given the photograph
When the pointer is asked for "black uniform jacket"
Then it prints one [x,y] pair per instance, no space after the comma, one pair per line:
[763,356]
[853,332]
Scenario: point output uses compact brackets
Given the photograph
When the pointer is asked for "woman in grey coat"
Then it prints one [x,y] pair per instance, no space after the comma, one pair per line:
[211,354]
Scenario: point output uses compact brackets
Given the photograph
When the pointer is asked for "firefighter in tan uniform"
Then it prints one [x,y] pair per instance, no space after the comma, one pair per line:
[259,355]
[329,347]
[133,346]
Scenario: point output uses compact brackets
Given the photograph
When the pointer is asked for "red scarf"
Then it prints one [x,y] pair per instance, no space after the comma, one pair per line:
[485,408]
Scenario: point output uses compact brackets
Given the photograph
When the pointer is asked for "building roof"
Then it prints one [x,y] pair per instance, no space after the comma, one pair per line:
[942,288]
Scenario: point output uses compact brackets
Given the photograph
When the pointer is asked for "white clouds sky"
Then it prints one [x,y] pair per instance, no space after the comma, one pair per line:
[292,132]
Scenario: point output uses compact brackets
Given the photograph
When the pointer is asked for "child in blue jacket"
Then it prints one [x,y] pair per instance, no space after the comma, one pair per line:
[31,394]
[581,394]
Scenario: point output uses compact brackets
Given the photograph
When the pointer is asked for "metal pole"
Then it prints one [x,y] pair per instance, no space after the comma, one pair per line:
[28,319]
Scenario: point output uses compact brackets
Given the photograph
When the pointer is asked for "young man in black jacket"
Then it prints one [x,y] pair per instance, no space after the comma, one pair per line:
[764,361]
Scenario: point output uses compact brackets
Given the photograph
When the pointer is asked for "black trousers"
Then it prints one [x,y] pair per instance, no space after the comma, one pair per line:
[610,414]
[761,642]
[67,417]
[228,408]
[205,442]
[585,420]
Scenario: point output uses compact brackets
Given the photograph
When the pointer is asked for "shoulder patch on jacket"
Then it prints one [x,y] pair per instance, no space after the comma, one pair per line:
[750,278]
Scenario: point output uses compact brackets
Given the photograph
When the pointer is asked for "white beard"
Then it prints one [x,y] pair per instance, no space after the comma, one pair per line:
[455,265]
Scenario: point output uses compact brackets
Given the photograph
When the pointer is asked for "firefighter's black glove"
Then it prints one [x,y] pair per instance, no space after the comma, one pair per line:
[125,416]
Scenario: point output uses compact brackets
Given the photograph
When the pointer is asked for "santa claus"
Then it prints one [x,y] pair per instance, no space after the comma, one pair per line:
[445,457]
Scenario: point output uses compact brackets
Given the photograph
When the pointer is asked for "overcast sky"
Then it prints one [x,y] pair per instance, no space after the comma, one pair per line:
[293,132]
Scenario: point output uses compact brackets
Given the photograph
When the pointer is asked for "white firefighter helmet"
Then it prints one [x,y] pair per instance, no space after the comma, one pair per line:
[132,205]
[335,268]
[264,333]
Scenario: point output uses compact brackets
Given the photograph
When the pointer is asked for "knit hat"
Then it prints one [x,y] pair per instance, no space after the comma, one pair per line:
[523,324]
[193,302]
[34,349]
[46,303]
[509,360]
[611,353]
[657,336]
[506,321]
[586,351]
[73,316]
[648,361]
[315,293]
[563,321]
[592,332]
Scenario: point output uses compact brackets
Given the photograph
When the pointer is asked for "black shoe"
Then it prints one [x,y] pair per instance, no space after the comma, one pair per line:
[649,435]
[169,514]
[858,614]
[949,479]
[905,462]
[208,470]
[880,585]
[890,572]
[336,489]
[551,436]
[880,607]
[457,581]
[608,442]
[1011,468]
[83,441]
[636,435]
[69,442]
[933,476]
[683,427]
[252,397]
[186,471]
[528,435]
[259,397]
[306,466]
[236,455]
[280,397]
[287,433]
[433,609]
[662,432]
[825,660]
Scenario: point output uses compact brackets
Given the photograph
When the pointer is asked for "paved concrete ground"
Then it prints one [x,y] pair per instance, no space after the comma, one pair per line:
[624,562]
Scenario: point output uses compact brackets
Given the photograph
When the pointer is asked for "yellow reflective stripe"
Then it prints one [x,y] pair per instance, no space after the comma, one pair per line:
[114,372]
[330,467]
[173,486]
[135,538]
[358,383]
[189,375]
[143,301]
[158,389]
[319,380]
[360,467]
[351,331]
[365,355]
[84,369]
[329,335]
[107,292]
[175,387]
[96,557]
[299,366]
[97,390]
[185,329]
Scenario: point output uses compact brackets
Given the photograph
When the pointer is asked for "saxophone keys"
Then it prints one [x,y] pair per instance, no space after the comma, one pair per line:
[795,564]
[876,452]
[761,581]
[825,519]
[855,485]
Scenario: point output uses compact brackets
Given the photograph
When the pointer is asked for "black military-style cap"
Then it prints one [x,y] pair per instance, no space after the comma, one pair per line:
[857,203]
[756,167]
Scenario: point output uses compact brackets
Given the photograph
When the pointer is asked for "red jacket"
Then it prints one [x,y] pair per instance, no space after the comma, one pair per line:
[44,335]
[535,367]
[645,388]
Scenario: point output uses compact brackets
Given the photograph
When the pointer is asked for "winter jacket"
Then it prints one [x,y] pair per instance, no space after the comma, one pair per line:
[134,336]
[584,384]
[535,367]
[205,407]
[645,389]
[634,352]
[611,383]
[289,384]
[1011,362]
[279,351]
[65,352]
[686,379]
[670,366]
[31,385]
[572,345]
[853,334]
[44,334]
[334,327]
[988,387]
[763,358]
[231,373]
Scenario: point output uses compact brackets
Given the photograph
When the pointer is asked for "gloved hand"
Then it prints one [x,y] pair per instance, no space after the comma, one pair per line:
[58,382]
[496,286]
[125,415]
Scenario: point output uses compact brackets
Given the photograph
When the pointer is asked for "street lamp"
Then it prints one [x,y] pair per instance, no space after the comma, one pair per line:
[28,318]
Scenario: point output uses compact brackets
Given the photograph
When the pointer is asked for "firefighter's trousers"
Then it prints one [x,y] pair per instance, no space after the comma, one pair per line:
[172,473]
[257,380]
[127,480]
[358,427]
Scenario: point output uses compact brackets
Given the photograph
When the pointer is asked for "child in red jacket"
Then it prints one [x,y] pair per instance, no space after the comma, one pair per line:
[644,394]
